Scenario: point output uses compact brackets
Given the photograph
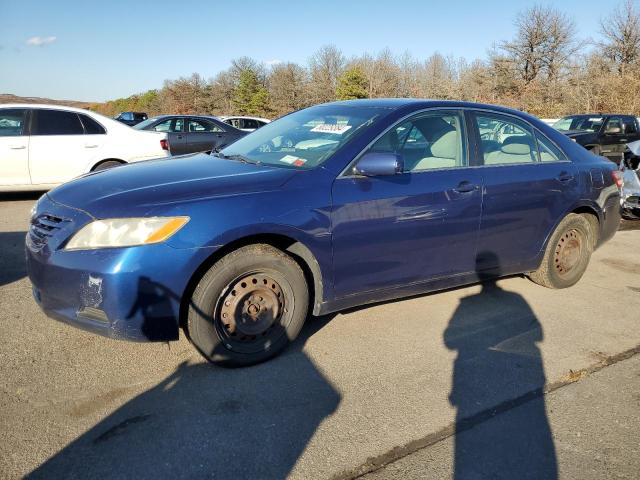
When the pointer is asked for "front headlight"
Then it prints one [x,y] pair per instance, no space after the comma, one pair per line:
[125,232]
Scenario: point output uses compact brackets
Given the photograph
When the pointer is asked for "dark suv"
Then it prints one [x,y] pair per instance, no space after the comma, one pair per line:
[605,135]
[131,118]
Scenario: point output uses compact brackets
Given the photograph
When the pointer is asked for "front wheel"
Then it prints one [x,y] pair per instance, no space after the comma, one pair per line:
[567,254]
[248,307]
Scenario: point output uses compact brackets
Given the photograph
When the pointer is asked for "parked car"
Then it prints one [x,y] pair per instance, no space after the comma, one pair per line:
[193,133]
[238,247]
[630,170]
[131,118]
[42,146]
[605,135]
[248,124]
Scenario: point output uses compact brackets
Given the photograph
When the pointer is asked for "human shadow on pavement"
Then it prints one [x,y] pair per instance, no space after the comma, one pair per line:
[204,421]
[12,262]
[495,333]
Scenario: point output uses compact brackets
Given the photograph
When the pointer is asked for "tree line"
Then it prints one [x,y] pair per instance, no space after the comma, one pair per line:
[545,69]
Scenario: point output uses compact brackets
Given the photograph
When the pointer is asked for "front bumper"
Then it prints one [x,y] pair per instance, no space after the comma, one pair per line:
[131,293]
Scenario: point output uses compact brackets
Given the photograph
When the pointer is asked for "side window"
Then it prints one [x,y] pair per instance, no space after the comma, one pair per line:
[171,125]
[629,125]
[91,127]
[613,124]
[426,142]
[505,140]
[12,122]
[249,123]
[548,151]
[56,122]
[196,126]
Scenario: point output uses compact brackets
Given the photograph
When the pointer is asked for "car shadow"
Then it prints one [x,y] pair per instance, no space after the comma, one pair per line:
[12,263]
[203,421]
[495,333]
[19,196]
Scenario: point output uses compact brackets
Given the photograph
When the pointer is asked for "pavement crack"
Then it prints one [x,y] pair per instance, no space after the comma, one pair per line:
[373,464]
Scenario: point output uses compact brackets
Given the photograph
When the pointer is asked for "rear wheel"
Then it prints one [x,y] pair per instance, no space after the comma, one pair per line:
[248,307]
[567,254]
[107,164]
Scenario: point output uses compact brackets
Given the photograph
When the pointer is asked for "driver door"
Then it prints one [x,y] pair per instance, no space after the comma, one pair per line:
[417,225]
[614,139]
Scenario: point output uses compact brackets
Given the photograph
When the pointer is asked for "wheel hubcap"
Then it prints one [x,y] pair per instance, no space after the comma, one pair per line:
[251,308]
[568,252]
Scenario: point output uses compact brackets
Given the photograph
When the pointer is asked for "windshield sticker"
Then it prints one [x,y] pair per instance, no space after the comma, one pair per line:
[292,160]
[599,119]
[331,128]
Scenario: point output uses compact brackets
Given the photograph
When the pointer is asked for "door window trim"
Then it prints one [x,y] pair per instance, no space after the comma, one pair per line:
[534,130]
[471,139]
[206,120]
[348,171]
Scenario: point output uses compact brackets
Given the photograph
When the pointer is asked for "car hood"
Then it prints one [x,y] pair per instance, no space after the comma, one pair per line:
[577,133]
[135,189]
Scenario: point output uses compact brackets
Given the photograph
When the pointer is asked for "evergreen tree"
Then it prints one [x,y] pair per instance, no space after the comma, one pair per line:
[352,84]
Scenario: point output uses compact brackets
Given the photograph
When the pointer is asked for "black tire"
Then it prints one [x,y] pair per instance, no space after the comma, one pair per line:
[263,296]
[567,254]
[107,164]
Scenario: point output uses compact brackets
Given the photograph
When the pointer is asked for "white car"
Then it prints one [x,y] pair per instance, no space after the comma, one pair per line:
[42,146]
[248,124]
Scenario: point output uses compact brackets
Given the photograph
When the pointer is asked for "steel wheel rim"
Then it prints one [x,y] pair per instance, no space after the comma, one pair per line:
[568,252]
[251,313]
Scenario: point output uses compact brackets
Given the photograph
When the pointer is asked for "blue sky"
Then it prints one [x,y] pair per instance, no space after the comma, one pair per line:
[99,50]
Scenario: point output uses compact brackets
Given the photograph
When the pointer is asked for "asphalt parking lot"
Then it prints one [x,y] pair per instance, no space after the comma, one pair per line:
[498,381]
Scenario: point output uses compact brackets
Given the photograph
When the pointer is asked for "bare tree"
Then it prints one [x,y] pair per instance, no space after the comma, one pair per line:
[544,42]
[325,66]
[286,84]
[621,32]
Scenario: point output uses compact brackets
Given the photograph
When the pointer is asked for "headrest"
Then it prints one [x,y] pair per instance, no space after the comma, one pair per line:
[446,146]
[516,149]
[517,145]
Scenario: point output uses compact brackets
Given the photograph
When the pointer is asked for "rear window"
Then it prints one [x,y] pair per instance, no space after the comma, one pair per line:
[56,122]
[91,127]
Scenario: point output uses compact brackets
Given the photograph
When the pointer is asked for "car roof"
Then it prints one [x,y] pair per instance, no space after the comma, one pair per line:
[180,115]
[585,115]
[227,117]
[44,105]
[420,103]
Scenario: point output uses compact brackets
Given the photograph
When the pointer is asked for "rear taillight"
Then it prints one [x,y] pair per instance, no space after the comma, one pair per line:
[164,143]
[617,178]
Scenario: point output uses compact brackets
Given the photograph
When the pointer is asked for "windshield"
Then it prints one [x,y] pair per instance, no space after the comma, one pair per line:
[582,122]
[304,139]
[143,125]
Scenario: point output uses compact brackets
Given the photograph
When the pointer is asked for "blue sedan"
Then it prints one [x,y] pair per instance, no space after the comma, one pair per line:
[330,207]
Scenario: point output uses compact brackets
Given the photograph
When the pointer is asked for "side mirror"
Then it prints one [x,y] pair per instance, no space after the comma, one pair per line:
[377,164]
[613,130]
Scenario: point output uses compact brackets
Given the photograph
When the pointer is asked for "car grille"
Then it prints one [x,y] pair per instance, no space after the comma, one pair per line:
[42,228]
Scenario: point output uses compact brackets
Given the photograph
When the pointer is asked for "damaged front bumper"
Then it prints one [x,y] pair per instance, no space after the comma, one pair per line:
[131,293]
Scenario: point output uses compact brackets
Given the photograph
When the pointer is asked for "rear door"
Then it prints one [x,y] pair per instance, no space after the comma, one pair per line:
[411,227]
[14,147]
[174,128]
[203,134]
[528,183]
[58,148]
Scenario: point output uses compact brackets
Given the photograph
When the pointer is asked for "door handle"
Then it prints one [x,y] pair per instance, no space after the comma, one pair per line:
[564,177]
[466,187]
[179,137]
[17,147]
[90,146]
